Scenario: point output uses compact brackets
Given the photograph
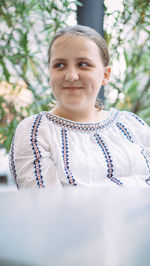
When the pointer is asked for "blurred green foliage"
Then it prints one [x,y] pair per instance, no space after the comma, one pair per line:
[129,43]
[26,29]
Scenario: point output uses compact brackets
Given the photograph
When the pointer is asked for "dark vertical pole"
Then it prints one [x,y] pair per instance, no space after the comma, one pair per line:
[91,14]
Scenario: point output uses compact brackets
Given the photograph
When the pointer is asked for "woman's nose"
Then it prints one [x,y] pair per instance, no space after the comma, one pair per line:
[71,74]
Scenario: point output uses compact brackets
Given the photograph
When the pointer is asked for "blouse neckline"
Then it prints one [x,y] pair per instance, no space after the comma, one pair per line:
[83,126]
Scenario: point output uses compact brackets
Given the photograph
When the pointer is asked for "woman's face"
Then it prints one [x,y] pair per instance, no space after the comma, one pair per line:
[76,72]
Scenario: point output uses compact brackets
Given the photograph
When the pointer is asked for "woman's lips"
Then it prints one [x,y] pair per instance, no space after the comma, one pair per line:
[72,88]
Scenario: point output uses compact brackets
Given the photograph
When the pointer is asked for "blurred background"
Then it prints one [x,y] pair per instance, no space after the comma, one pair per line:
[26,29]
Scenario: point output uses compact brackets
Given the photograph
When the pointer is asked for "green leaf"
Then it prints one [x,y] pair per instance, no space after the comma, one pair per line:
[126,58]
[132,87]
[5,71]
[33,66]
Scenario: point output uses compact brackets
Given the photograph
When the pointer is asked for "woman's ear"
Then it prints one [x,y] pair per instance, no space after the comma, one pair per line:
[106,75]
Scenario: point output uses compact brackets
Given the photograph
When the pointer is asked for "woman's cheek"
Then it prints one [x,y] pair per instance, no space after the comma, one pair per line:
[56,82]
[53,83]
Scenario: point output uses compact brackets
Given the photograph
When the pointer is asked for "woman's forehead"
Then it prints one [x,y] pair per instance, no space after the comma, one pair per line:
[62,41]
[71,40]
[74,47]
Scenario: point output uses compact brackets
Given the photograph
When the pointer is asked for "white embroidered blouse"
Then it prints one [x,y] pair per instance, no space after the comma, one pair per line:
[49,151]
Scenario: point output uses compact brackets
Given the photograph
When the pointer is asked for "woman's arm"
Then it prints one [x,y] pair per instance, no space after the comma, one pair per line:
[31,163]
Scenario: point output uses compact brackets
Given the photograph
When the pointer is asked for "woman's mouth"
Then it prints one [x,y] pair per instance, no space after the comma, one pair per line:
[71,88]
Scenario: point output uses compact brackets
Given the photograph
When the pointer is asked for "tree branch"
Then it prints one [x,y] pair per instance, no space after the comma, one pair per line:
[138,102]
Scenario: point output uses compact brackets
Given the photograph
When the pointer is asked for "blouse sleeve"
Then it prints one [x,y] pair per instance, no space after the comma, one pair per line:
[140,130]
[30,158]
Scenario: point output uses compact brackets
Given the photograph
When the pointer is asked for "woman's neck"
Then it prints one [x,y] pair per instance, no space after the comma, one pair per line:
[81,116]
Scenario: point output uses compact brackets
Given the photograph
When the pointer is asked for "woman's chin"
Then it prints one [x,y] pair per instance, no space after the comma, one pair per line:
[73,103]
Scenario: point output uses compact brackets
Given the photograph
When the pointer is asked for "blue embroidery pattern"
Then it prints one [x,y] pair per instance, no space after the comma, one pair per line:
[108,159]
[37,153]
[124,130]
[126,133]
[137,118]
[65,154]
[12,163]
[83,127]
[148,166]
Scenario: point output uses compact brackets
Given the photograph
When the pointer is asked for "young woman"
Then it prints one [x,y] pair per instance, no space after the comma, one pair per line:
[78,143]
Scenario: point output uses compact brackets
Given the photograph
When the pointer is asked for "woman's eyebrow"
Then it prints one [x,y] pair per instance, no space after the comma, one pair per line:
[84,58]
[77,59]
[57,60]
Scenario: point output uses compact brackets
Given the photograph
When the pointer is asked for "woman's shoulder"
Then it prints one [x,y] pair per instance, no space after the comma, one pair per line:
[32,120]
[131,118]
[27,120]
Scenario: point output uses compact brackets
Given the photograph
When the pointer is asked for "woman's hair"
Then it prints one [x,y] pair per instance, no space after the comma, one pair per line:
[91,34]
[87,32]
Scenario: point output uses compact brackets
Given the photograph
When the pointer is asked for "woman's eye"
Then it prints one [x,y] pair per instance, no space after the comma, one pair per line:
[59,65]
[83,64]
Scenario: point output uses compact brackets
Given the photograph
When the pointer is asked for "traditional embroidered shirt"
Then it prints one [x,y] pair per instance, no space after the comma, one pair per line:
[49,151]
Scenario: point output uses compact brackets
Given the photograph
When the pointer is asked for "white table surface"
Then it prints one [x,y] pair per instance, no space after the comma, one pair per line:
[75,227]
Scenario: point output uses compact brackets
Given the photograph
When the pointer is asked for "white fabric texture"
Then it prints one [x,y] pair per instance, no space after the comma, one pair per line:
[49,151]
